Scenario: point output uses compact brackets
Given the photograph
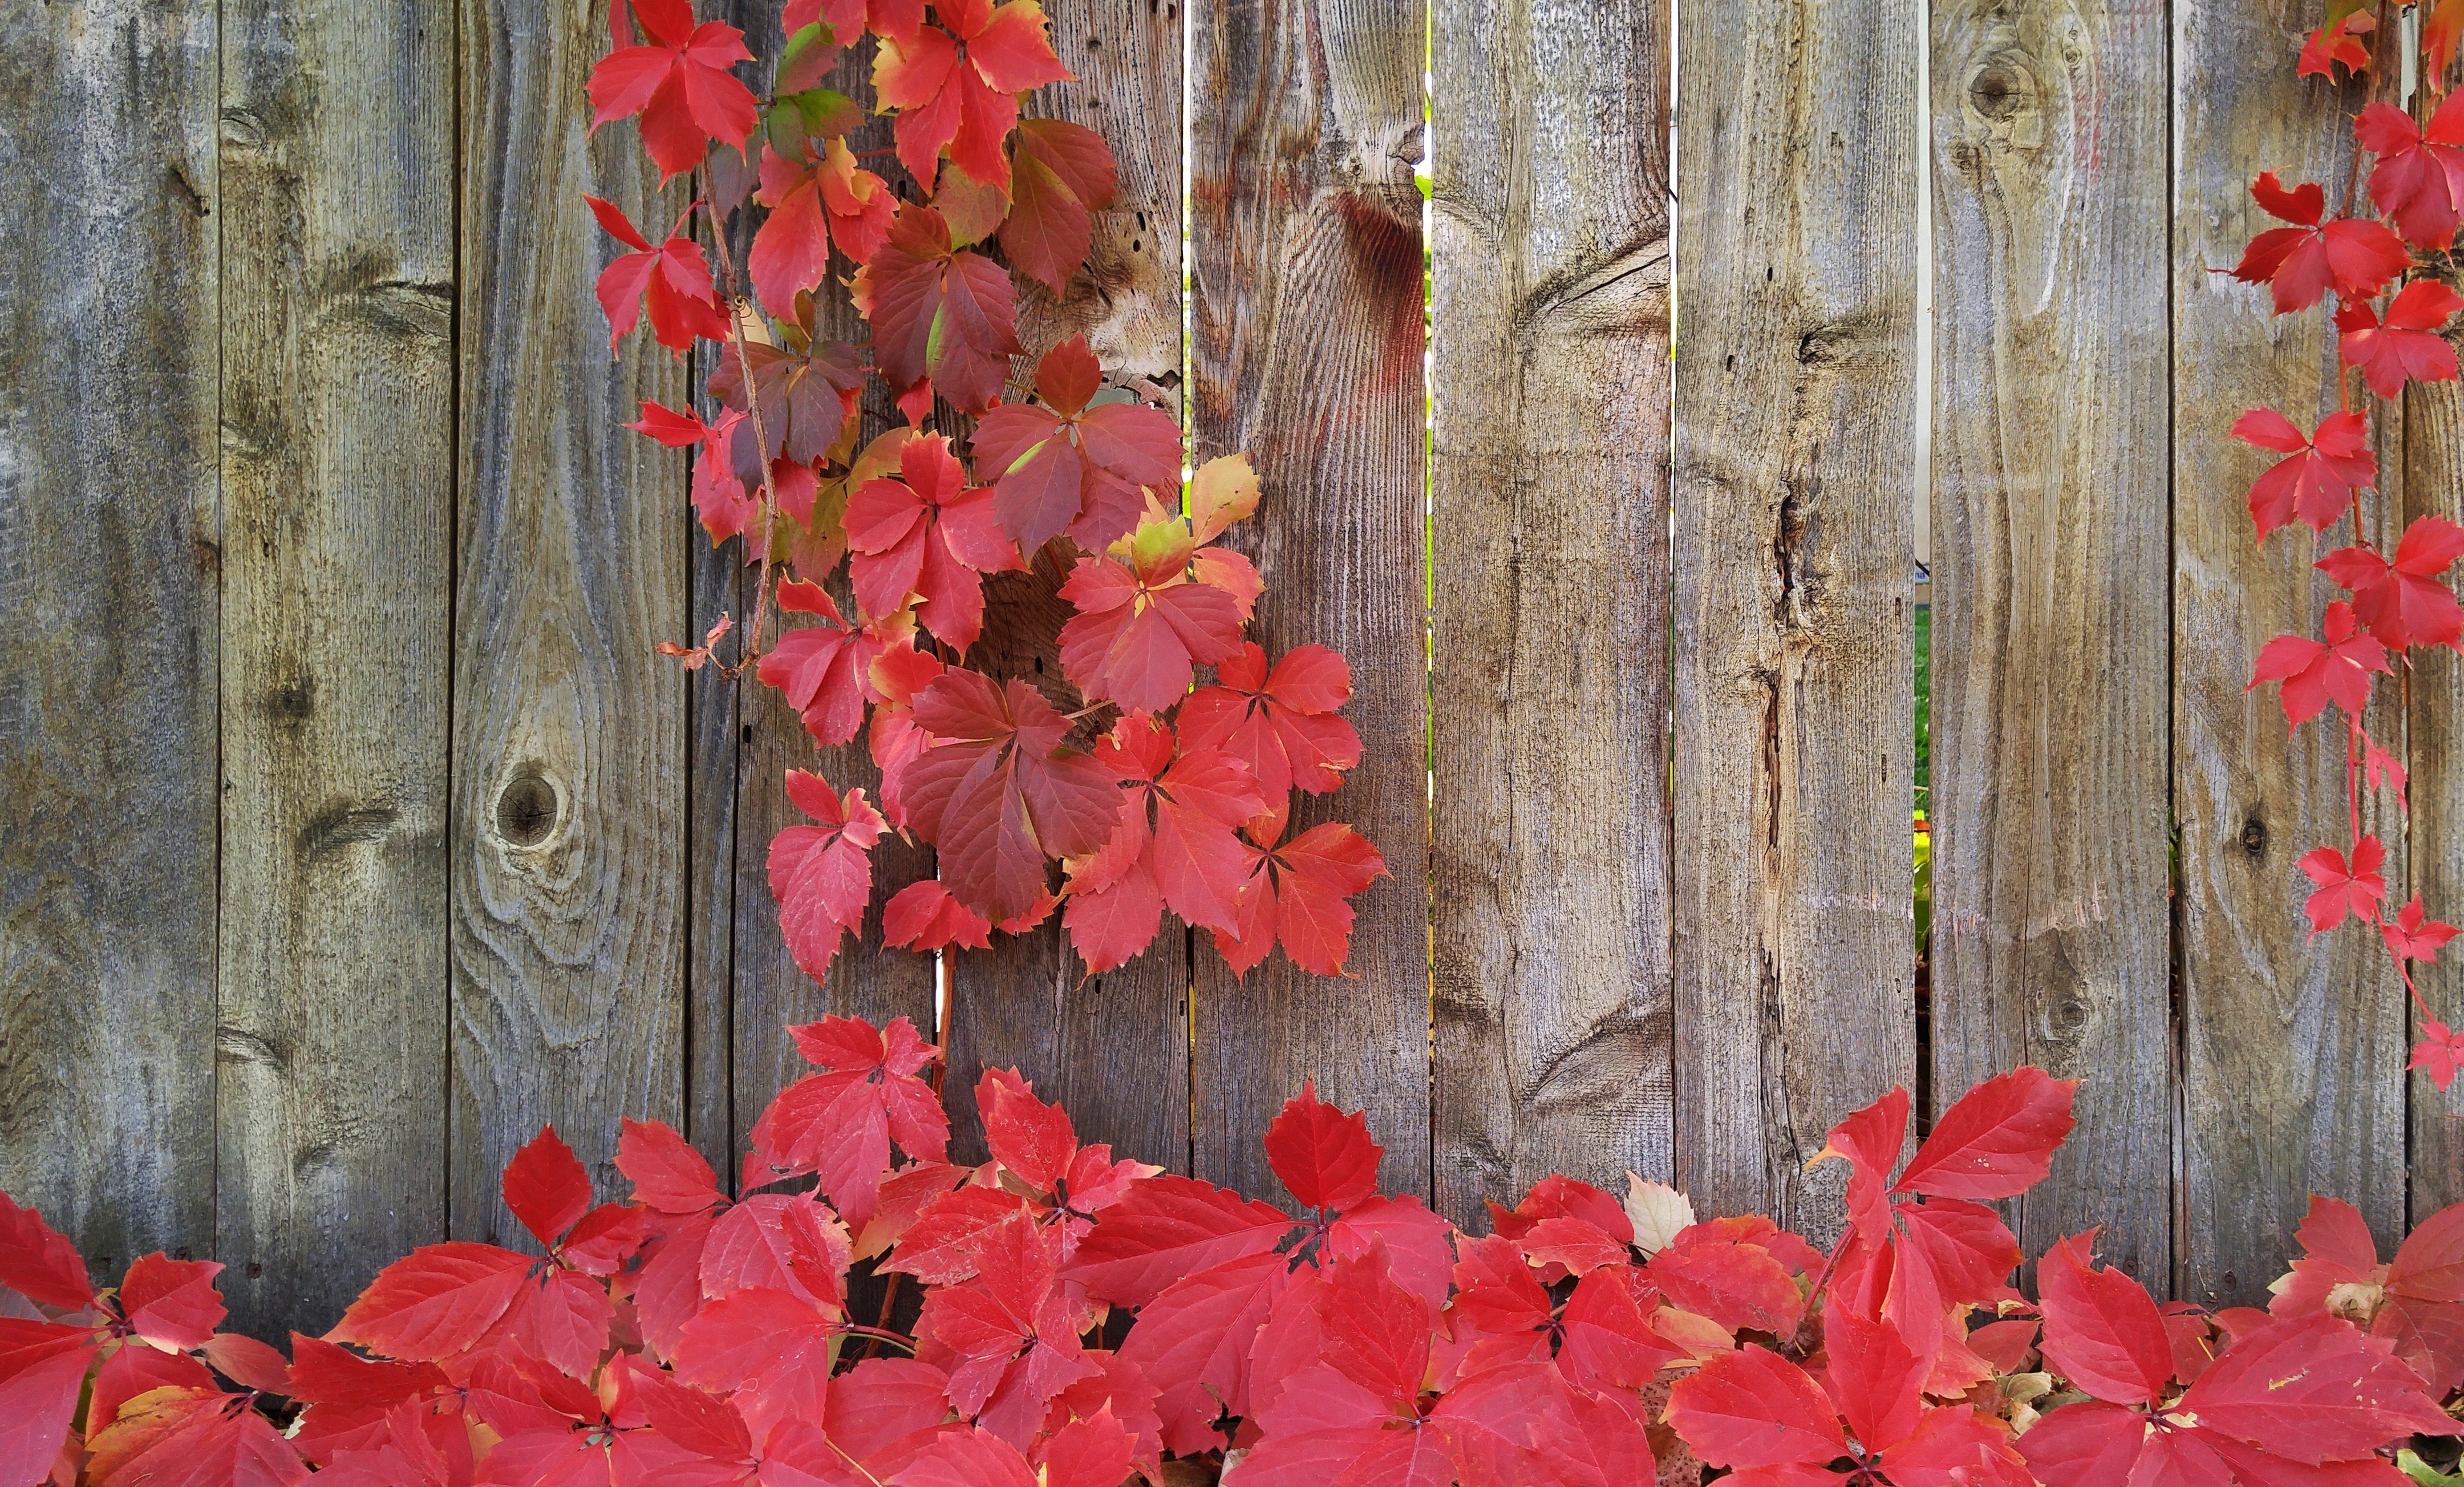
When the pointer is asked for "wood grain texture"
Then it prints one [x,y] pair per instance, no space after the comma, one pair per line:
[2293,1049]
[1115,1047]
[337,502]
[770,990]
[1306,351]
[568,818]
[2051,935]
[110,534]
[1550,837]
[1794,488]
[2433,480]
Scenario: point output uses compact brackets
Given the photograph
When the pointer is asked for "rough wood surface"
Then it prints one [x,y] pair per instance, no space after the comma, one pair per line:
[110,534]
[1794,491]
[2433,480]
[1549,835]
[2051,932]
[338,507]
[1115,1048]
[2292,1049]
[569,815]
[1306,351]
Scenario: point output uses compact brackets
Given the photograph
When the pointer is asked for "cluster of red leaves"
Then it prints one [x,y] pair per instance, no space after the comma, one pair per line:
[1058,1317]
[1084,770]
[2397,603]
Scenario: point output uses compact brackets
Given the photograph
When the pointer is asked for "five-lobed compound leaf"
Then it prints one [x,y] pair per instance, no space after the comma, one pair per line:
[822,874]
[1069,464]
[2413,936]
[2317,482]
[955,90]
[679,82]
[941,316]
[839,1124]
[672,281]
[929,533]
[998,792]
[2337,669]
[1173,843]
[2407,343]
[1060,174]
[814,203]
[2418,180]
[1282,722]
[808,408]
[1147,612]
[2354,887]
[1299,895]
[2402,601]
[2351,256]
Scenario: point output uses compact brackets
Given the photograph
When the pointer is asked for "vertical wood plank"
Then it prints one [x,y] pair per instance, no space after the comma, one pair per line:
[1549,836]
[110,534]
[1113,1048]
[568,818]
[2434,450]
[1794,494]
[2051,935]
[2293,1049]
[1306,349]
[769,991]
[337,136]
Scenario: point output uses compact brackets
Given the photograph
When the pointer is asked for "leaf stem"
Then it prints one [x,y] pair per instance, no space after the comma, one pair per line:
[751,651]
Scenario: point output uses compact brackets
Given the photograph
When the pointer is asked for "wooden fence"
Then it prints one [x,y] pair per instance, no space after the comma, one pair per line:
[349,827]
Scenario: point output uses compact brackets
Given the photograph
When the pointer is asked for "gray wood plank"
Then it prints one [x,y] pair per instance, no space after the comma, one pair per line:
[2293,1050]
[1550,835]
[1795,489]
[1307,336]
[110,551]
[568,831]
[1113,1048]
[338,487]
[2052,939]
[2433,454]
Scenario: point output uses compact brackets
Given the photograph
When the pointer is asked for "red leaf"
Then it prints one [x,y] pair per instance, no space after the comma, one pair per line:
[40,1263]
[1869,1141]
[964,103]
[1064,466]
[2102,1332]
[813,203]
[2419,178]
[434,1302]
[1060,174]
[839,1124]
[1754,1409]
[2407,343]
[1283,723]
[1143,617]
[821,667]
[2336,44]
[930,533]
[2312,1389]
[2441,1052]
[1093,1452]
[2403,602]
[676,431]
[808,406]
[938,314]
[1997,1141]
[963,1457]
[2317,672]
[2354,888]
[1325,1156]
[2351,256]
[42,1370]
[943,1245]
[1296,898]
[673,280]
[1167,1228]
[923,915]
[1609,1341]
[679,84]
[1032,1139]
[2414,935]
[779,1242]
[823,875]
[2316,484]
[1173,845]
[1193,1339]
[191,1437]
[546,1188]
[170,1302]
[1738,1285]
[667,1174]
[997,791]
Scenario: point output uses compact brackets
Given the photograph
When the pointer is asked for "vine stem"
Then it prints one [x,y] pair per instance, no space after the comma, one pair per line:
[751,649]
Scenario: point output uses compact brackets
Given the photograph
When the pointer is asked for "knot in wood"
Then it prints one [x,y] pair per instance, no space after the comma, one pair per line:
[527,809]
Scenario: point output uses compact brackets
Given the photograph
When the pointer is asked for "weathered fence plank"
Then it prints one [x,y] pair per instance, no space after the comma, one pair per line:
[2293,1050]
[767,990]
[1306,349]
[2051,932]
[110,534]
[1113,1048]
[1794,491]
[568,818]
[1550,529]
[2433,456]
[338,507]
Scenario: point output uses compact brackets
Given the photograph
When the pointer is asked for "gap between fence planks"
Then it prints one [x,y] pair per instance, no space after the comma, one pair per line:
[2292,1051]
[2051,917]
[338,414]
[1796,445]
[1549,524]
